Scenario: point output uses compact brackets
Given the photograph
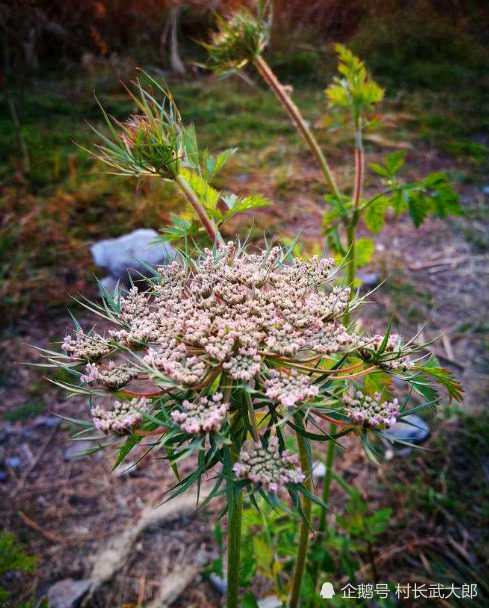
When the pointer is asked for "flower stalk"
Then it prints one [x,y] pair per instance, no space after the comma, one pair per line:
[300,563]
[330,454]
[235,511]
[294,113]
[199,209]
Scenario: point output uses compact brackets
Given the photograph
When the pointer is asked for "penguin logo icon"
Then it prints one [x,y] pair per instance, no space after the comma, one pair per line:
[327,591]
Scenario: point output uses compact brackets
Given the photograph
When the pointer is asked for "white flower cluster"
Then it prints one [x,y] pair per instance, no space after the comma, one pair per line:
[289,388]
[233,308]
[242,367]
[371,412]
[394,347]
[111,377]
[86,347]
[204,415]
[124,418]
[269,468]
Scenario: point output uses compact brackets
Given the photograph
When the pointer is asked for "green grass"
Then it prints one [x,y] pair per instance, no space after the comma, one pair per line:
[25,411]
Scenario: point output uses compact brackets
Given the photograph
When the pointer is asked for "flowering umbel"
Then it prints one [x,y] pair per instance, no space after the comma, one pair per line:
[266,466]
[371,412]
[229,339]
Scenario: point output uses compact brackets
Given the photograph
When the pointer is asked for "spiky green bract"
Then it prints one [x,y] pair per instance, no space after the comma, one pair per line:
[239,38]
[151,142]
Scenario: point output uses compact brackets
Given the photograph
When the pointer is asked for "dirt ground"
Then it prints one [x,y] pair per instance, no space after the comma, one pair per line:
[68,509]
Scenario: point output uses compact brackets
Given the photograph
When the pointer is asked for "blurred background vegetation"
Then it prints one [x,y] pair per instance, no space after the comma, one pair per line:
[430,55]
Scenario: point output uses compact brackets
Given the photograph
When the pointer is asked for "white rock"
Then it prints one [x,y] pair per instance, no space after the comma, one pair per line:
[219,584]
[125,468]
[67,593]
[126,253]
[412,429]
[270,601]
[318,470]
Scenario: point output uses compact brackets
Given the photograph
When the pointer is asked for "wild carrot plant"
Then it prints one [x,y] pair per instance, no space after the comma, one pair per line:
[232,356]
[241,39]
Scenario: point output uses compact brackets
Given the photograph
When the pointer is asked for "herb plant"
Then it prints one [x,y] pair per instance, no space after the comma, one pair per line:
[232,356]
[240,40]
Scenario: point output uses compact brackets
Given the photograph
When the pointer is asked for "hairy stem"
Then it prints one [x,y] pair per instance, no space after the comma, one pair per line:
[199,209]
[300,563]
[235,513]
[327,478]
[293,111]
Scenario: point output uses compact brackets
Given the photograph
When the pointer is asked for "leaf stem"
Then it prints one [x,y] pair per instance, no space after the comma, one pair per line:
[293,111]
[235,514]
[300,563]
[351,223]
[330,454]
[359,168]
[199,209]
[252,417]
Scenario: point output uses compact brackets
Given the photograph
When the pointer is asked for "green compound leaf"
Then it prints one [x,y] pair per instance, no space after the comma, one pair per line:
[445,378]
[375,214]
[418,208]
[394,161]
[364,249]
[13,556]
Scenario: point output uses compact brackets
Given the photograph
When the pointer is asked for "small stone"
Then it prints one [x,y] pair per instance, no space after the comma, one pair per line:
[271,601]
[416,432]
[67,593]
[369,279]
[318,470]
[48,421]
[78,450]
[242,178]
[130,253]
[411,429]
[125,468]
[14,462]
[219,584]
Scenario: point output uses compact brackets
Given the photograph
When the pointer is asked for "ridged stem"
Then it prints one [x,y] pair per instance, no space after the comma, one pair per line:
[327,479]
[293,111]
[235,515]
[300,562]
[199,209]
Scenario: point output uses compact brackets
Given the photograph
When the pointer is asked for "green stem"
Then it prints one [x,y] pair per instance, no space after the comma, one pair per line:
[300,563]
[199,209]
[293,111]
[235,507]
[350,261]
[327,479]
[252,417]
[353,220]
